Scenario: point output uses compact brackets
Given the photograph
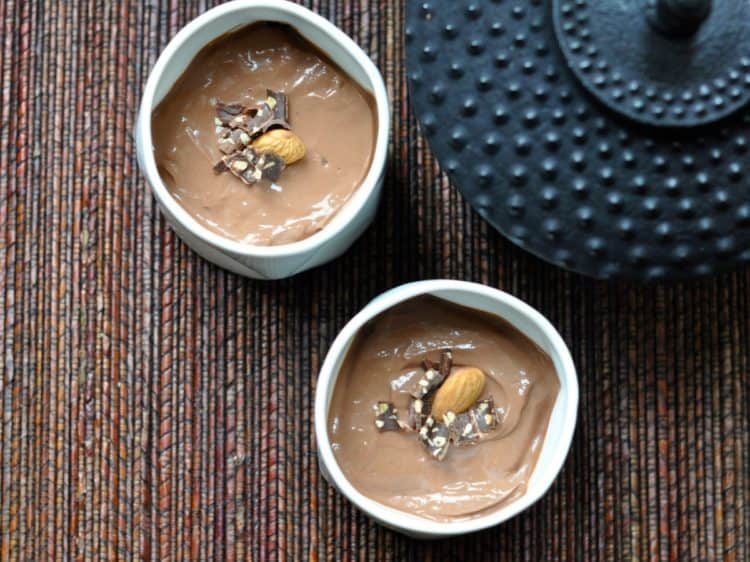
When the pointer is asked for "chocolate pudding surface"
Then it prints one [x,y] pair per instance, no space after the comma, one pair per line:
[392,467]
[332,114]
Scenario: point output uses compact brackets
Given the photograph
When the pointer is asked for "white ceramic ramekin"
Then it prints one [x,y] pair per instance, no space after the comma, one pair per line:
[266,262]
[559,431]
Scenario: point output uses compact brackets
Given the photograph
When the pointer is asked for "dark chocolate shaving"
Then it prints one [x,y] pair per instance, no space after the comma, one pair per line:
[386,417]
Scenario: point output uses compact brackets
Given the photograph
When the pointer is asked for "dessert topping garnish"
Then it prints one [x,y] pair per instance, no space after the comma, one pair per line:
[251,166]
[435,437]
[386,417]
[257,143]
[434,374]
[463,430]
[459,392]
[283,143]
[484,415]
[445,408]
[468,427]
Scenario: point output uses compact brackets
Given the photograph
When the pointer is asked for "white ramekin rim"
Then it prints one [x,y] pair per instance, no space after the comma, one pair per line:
[412,524]
[355,205]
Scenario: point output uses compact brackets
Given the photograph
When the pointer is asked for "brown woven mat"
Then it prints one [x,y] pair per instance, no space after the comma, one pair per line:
[154,406]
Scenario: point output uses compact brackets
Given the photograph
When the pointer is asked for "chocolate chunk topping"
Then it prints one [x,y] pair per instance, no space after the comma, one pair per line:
[435,437]
[270,165]
[279,103]
[256,126]
[272,114]
[237,126]
[484,415]
[434,374]
[449,418]
[226,112]
[386,417]
[251,167]
[470,427]
[233,140]
[464,430]
[429,381]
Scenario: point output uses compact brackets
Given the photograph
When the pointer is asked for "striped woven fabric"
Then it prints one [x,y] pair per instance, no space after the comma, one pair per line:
[154,406]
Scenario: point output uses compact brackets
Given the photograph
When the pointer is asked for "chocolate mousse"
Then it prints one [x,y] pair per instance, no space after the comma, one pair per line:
[263,138]
[441,410]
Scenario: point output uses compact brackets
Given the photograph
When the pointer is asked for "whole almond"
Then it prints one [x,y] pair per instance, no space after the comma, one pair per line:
[459,392]
[282,142]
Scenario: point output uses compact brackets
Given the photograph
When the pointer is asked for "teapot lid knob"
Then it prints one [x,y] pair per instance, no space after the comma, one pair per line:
[678,18]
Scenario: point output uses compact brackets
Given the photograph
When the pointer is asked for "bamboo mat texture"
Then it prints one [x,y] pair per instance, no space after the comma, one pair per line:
[153,406]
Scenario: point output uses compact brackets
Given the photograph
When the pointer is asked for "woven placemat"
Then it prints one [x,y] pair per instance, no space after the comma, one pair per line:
[154,406]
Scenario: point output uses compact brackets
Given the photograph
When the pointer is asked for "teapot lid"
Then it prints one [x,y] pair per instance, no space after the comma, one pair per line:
[568,165]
